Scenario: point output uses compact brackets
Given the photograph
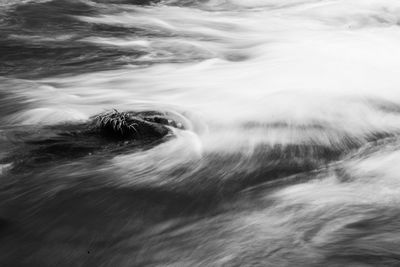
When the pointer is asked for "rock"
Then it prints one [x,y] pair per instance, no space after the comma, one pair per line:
[134,125]
[104,135]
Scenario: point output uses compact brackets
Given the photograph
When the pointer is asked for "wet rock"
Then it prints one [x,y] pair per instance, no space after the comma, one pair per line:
[105,135]
[133,125]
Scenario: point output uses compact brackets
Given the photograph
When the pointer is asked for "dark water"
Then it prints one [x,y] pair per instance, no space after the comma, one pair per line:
[286,152]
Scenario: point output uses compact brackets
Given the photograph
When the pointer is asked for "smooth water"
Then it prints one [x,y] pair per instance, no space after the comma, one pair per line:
[290,153]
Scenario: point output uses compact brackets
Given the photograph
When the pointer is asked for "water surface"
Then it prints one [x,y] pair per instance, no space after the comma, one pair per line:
[289,155]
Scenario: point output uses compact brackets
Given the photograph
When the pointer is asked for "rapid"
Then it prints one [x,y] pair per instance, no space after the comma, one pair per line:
[288,155]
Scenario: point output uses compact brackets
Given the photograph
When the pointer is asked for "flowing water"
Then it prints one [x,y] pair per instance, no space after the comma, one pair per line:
[289,155]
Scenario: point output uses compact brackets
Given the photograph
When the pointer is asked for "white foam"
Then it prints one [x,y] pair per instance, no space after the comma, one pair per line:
[296,62]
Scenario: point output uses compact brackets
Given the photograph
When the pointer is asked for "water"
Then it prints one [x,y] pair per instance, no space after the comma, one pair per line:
[289,151]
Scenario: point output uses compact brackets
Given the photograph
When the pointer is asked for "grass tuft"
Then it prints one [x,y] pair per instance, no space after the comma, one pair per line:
[123,125]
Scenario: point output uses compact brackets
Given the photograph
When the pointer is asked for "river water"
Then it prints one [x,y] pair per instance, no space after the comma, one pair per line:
[289,155]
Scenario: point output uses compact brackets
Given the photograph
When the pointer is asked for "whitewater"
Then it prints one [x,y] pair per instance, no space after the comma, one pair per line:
[283,120]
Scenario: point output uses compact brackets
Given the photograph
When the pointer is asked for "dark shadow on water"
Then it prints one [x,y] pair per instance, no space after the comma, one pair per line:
[45,39]
[20,59]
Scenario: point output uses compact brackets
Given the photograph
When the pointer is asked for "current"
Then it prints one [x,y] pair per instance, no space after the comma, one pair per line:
[287,151]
